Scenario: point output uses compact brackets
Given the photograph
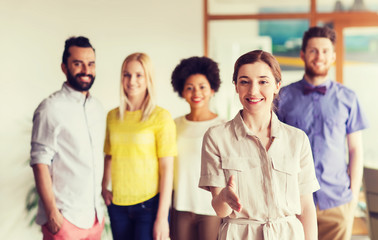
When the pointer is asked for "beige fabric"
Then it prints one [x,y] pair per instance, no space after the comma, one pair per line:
[269,184]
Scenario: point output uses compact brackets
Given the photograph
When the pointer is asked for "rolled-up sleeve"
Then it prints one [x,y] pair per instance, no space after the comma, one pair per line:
[212,174]
[43,139]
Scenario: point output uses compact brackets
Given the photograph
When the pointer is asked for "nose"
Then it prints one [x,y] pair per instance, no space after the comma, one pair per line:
[253,89]
[132,79]
[85,69]
[196,90]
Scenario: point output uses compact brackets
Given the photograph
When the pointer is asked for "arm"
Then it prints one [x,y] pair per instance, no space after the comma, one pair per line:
[106,194]
[225,199]
[308,217]
[161,225]
[43,183]
[355,162]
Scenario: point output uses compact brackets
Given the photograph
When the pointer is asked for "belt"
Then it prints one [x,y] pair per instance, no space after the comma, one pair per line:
[267,224]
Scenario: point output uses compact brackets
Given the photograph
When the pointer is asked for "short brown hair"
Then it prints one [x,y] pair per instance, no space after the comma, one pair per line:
[258,56]
[321,32]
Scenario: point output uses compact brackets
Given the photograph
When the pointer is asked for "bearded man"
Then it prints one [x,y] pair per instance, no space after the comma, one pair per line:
[330,115]
[67,151]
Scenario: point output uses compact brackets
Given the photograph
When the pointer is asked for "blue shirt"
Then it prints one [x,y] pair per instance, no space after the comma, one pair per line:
[326,119]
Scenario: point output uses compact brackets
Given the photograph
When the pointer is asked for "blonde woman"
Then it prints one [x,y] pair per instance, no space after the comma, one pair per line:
[139,150]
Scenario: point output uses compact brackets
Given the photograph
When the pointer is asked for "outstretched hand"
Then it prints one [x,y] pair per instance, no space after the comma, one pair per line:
[229,196]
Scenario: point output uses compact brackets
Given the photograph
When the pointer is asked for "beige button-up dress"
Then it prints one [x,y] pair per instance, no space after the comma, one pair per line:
[269,183]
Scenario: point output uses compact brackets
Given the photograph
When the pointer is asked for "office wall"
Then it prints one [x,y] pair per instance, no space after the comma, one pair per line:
[32,40]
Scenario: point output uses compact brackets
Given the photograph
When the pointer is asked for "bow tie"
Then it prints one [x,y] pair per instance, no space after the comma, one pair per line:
[308,89]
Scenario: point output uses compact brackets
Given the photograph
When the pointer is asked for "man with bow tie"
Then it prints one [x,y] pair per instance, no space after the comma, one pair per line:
[330,114]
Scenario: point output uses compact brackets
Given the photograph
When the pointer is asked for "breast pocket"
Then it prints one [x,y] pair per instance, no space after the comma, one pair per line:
[285,181]
[245,171]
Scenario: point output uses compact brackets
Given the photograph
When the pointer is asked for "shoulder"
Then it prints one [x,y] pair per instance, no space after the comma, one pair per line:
[292,132]
[179,120]
[113,114]
[161,114]
[290,91]
[223,128]
[343,91]
[51,103]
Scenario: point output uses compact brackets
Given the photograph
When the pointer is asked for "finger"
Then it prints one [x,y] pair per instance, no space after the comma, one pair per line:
[230,181]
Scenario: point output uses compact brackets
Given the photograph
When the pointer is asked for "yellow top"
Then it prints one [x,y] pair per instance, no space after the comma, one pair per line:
[135,148]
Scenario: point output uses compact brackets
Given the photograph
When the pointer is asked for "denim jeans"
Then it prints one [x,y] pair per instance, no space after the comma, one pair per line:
[133,222]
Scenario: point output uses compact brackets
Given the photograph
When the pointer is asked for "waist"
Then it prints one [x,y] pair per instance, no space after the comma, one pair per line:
[245,221]
[268,229]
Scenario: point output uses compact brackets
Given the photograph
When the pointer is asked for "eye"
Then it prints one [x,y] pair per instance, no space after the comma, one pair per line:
[312,51]
[244,82]
[127,75]
[263,82]
[92,64]
[189,88]
[202,87]
[139,75]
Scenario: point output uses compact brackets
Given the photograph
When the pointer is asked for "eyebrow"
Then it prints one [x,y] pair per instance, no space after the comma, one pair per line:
[263,76]
[81,61]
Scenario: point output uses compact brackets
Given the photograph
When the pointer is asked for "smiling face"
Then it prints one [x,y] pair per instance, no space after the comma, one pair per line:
[197,91]
[80,69]
[134,80]
[318,57]
[256,87]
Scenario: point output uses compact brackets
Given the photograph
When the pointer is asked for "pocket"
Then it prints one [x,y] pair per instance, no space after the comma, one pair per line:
[151,204]
[61,229]
[233,163]
[285,175]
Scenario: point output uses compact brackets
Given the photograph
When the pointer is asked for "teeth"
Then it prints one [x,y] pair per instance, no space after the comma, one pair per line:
[254,100]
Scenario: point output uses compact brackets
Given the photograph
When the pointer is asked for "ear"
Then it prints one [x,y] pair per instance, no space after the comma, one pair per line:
[64,68]
[236,88]
[333,56]
[278,86]
[302,54]
[212,92]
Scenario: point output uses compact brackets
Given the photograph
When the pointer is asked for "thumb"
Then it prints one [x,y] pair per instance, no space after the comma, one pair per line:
[231,181]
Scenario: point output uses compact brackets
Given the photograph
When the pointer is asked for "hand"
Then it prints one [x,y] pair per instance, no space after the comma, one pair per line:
[229,196]
[107,195]
[54,222]
[161,229]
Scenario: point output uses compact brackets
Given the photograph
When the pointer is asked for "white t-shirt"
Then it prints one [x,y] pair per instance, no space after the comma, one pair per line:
[187,195]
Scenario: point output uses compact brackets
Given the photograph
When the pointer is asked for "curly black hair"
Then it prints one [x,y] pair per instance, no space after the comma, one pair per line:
[195,65]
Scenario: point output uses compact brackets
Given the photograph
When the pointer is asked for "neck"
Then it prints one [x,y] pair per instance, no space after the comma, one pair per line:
[315,80]
[198,115]
[86,93]
[135,103]
[257,122]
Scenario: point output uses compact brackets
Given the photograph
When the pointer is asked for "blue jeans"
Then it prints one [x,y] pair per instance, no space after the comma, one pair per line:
[133,222]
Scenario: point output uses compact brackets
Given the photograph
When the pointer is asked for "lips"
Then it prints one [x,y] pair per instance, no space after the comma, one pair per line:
[196,99]
[87,78]
[254,100]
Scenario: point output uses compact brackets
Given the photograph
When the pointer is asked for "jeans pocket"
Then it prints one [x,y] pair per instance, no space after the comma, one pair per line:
[151,204]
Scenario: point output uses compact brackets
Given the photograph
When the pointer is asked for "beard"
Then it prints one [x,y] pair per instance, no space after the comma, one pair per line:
[311,72]
[76,84]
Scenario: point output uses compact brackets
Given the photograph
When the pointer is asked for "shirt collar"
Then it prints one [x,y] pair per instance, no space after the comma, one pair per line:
[241,129]
[76,95]
[326,84]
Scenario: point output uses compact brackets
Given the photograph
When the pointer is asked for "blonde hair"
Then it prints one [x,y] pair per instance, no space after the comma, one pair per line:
[149,102]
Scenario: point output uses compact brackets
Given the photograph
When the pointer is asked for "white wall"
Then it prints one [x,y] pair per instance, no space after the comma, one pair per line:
[31,46]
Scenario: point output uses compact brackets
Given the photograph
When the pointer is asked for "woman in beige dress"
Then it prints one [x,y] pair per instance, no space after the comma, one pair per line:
[259,170]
